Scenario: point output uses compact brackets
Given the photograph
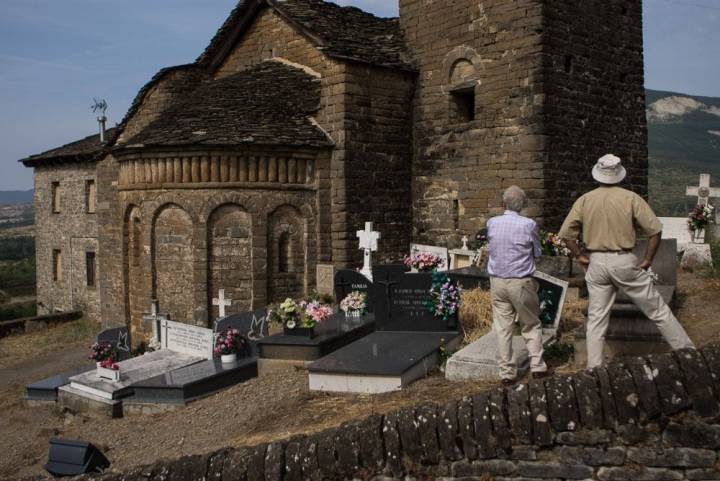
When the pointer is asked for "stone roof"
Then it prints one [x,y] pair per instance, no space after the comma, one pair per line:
[85,150]
[340,32]
[269,104]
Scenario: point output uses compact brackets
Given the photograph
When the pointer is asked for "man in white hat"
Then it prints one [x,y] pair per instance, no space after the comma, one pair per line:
[608,218]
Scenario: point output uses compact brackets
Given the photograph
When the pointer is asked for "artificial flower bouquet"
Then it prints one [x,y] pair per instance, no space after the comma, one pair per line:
[229,342]
[444,299]
[423,261]
[700,218]
[354,304]
[299,317]
[102,351]
[552,245]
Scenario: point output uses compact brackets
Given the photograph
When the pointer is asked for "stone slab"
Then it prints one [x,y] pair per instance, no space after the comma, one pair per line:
[47,389]
[80,401]
[331,335]
[478,360]
[132,371]
[676,228]
[188,383]
[696,255]
[383,353]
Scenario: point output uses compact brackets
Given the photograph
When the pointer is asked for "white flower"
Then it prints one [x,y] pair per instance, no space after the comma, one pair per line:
[291,324]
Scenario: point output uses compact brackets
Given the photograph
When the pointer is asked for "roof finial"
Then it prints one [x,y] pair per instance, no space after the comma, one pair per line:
[100,106]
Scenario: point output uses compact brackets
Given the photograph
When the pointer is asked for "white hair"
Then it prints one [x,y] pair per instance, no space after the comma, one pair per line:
[514,198]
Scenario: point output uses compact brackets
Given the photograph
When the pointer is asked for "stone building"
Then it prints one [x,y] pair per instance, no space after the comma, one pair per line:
[302,120]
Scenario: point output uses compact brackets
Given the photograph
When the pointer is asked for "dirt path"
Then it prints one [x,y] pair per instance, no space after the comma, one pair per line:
[43,366]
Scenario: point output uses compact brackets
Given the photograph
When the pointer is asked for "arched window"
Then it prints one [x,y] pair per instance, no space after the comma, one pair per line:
[284,252]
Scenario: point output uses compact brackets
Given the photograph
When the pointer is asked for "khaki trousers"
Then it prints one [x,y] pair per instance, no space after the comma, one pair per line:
[511,299]
[609,272]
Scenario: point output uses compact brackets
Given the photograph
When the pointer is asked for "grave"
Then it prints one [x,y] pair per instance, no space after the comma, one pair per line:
[405,346]
[463,256]
[347,281]
[478,360]
[697,253]
[180,386]
[630,332]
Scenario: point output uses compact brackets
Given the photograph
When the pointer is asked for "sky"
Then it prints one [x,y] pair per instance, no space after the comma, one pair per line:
[56,56]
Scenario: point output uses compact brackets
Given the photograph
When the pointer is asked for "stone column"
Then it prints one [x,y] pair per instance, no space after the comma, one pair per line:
[224,168]
[292,171]
[243,169]
[177,170]
[233,168]
[272,169]
[214,169]
[195,172]
[301,171]
[282,171]
[204,169]
[161,171]
[262,169]
[155,170]
[186,170]
[252,170]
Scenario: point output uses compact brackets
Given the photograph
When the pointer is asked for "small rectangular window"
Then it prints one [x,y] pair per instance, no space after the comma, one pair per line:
[55,197]
[463,104]
[90,268]
[90,196]
[57,265]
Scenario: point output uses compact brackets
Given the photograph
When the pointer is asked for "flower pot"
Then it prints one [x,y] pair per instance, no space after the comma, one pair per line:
[353,314]
[698,236]
[299,331]
[228,358]
[112,375]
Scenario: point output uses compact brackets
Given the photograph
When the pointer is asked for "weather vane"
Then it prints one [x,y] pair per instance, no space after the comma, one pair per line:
[100,106]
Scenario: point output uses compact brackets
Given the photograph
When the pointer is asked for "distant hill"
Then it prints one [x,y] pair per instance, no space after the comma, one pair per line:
[16,196]
[683,142]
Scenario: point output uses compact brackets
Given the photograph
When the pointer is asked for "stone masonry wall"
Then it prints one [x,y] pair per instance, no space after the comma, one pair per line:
[73,232]
[594,96]
[651,419]
[367,112]
[492,49]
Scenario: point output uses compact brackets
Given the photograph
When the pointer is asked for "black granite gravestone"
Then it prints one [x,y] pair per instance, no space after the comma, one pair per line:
[471,277]
[252,324]
[118,337]
[347,281]
[404,306]
[550,295]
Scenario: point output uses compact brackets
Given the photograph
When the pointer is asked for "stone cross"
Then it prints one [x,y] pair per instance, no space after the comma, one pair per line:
[368,243]
[222,302]
[703,191]
[154,318]
[465,241]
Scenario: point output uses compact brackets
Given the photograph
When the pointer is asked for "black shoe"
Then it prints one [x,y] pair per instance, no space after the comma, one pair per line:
[541,375]
[508,382]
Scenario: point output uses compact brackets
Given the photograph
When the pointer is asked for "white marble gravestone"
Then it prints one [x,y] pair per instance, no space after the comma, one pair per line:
[187,339]
[441,252]
[478,360]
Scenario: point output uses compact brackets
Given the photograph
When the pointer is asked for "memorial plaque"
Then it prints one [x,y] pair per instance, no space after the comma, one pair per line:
[347,281]
[551,294]
[187,339]
[325,275]
[406,307]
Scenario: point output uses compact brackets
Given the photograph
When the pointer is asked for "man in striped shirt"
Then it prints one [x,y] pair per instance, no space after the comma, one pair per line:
[514,243]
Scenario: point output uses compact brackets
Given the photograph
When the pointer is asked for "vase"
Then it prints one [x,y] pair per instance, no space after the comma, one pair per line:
[353,314]
[228,358]
[299,331]
[112,375]
[698,236]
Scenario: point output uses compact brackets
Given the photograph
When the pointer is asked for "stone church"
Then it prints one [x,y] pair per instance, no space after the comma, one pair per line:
[301,120]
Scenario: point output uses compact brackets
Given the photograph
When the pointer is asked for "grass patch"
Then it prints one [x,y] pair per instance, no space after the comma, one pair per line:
[18,275]
[17,348]
[18,311]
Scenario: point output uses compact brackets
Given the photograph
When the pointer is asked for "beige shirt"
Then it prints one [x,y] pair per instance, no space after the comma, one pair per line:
[609,219]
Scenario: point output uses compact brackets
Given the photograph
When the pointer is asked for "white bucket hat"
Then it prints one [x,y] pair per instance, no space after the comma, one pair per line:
[608,170]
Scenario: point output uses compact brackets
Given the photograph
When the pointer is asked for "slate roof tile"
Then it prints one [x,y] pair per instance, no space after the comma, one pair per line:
[87,149]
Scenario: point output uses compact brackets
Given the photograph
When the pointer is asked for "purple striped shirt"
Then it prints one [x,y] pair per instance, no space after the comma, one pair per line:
[514,243]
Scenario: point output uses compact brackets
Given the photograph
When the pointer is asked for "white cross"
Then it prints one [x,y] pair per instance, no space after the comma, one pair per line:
[703,191]
[221,302]
[155,317]
[465,241]
[368,243]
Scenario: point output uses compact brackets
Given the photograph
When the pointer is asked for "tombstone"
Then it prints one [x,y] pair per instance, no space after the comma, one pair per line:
[187,339]
[118,337]
[441,252]
[478,360]
[325,274]
[253,325]
[368,242]
[347,281]
[154,317]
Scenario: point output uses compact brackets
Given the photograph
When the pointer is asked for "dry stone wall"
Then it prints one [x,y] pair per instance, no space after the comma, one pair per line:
[643,419]
[65,237]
